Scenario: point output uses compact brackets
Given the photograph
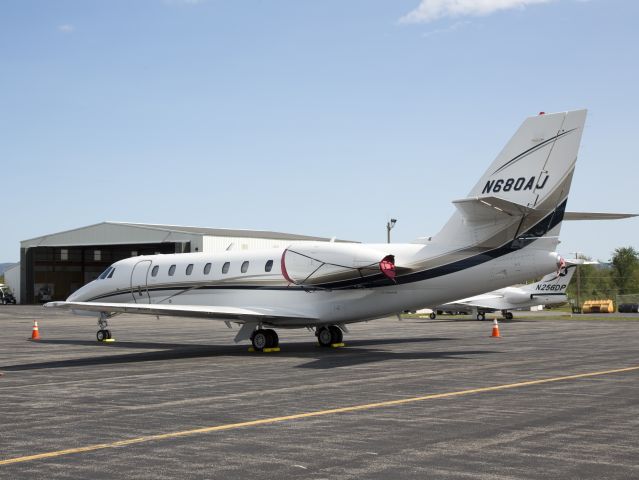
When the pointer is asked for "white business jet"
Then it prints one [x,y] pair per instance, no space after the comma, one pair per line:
[504,232]
[550,290]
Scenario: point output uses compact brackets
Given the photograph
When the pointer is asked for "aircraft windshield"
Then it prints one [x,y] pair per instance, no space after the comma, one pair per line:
[107,273]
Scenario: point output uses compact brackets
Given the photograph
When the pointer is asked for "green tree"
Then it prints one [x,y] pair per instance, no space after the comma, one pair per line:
[596,282]
[625,266]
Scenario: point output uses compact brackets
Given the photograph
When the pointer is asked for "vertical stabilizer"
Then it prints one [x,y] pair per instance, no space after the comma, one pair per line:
[525,189]
[556,282]
[537,163]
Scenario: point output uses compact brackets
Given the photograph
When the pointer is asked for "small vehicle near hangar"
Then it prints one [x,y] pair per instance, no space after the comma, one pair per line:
[6,296]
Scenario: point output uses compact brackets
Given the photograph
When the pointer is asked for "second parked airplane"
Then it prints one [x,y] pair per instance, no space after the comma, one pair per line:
[550,290]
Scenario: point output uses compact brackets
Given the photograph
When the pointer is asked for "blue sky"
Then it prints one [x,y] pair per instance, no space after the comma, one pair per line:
[312,117]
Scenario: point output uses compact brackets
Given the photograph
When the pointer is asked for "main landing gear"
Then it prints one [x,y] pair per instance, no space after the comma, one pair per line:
[264,338]
[327,336]
[104,333]
[481,317]
[507,315]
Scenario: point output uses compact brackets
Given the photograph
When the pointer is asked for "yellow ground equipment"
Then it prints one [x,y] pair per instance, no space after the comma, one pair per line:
[598,306]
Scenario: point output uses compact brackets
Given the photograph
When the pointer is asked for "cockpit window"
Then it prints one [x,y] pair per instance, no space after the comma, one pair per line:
[111,274]
[104,274]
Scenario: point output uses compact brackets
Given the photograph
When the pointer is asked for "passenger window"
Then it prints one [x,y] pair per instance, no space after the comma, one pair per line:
[207,269]
[189,269]
[269,266]
[154,272]
[225,267]
[171,270]
[111,274]
[244,267]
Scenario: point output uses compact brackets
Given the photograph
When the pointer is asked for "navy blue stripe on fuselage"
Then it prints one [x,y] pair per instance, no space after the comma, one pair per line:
[546,224]
[380,280]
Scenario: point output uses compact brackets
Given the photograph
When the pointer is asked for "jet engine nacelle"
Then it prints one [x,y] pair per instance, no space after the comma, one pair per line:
[335,264]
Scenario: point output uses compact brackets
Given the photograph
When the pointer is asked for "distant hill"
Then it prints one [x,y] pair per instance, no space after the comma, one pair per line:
[5,266]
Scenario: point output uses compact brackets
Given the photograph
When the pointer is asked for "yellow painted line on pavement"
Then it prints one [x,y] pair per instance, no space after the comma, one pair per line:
[298,416]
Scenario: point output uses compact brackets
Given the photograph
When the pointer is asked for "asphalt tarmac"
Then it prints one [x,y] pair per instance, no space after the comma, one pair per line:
[176,398]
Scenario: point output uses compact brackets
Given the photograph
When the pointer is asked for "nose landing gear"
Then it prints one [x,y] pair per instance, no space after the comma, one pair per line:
[104,334]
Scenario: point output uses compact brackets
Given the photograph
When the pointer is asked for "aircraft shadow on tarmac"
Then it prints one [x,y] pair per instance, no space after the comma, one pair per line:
[356,353]
[487,321]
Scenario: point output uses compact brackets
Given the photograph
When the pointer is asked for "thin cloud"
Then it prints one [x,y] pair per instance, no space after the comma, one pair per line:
[66,28]
[430,10]
[452,28]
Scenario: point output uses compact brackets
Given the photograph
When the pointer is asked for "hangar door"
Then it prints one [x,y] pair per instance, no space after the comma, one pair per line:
[139,287]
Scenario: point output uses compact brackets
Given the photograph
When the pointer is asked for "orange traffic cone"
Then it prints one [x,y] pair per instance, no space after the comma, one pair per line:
[35,333]
[495,329]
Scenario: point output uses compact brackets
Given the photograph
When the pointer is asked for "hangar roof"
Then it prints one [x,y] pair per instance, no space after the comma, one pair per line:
[106,233]
[227,232]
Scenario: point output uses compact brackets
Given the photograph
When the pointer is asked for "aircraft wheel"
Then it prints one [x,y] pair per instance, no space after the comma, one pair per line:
[272,338]
[102,335]
[336,334]
[260,339]
[324,337]
[481,317]
[509,315]
[433,316]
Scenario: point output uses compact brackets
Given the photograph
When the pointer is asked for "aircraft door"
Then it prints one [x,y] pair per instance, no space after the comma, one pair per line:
[139,286]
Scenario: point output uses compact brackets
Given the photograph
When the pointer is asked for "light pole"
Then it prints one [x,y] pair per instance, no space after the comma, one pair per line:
[389,226]
[578,283]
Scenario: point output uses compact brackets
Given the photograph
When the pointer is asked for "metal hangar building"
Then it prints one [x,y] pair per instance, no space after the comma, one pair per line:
[53,266]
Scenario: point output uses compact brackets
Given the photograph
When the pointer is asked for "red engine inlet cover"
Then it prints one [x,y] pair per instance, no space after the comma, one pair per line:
[387,266]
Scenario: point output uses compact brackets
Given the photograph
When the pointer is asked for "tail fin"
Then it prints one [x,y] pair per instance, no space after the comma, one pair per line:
[524,191]
[556,282]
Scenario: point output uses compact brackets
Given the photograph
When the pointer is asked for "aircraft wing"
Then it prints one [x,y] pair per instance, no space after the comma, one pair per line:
[492,301]
[235,314]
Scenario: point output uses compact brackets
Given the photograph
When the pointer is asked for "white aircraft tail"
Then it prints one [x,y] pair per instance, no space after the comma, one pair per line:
[556,282]
[523,194]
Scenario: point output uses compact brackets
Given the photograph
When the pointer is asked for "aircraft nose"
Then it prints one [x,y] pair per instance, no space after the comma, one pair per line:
[79,295]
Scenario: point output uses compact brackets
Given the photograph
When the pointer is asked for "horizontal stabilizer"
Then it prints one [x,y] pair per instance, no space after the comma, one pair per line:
[580,261]
[483,209]
[597,216]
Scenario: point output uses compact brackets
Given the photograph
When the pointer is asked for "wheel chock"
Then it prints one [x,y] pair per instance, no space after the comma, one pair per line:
[338,345]
[264,350]
[107,340]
